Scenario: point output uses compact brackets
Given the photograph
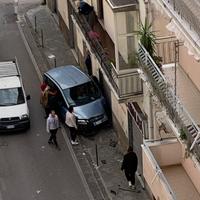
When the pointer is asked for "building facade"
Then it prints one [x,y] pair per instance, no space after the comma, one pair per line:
[171,153]
[108,35]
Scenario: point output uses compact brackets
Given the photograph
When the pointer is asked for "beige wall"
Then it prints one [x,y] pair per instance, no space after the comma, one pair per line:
[167,153]
[142,8]
[148,108]
[159,22]
[88,1]
[120,112]
[192,167]
[190,66]
[63,10]
[94,4]
[79,39]
[109,20]
[154,181]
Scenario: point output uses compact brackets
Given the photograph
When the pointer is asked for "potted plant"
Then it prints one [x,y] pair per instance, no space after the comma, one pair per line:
[147,37]
[148,40]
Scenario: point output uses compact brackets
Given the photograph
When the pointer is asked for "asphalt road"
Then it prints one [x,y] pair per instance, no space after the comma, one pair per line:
[29,167]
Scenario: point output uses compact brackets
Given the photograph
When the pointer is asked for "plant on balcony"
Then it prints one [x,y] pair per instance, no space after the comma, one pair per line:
[147,37]
[148,40]
[183,135]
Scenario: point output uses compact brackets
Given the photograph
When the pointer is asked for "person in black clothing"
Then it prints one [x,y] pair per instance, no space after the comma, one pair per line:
[84,8]
[88,64]
[87,10]
[53,99]
[129,165]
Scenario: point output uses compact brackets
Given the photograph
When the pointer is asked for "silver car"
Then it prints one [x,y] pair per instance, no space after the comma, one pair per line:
[77,89]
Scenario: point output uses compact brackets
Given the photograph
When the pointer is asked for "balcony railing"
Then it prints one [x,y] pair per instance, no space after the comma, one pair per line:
[186,11]
[126,84]
[176,111]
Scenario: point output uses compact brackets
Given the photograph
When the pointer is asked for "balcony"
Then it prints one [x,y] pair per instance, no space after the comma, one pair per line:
[126,83]
[165,172]
[184,21]
[188,10]
[166,95]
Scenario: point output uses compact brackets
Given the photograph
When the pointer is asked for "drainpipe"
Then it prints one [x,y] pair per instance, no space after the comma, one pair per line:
[151,124]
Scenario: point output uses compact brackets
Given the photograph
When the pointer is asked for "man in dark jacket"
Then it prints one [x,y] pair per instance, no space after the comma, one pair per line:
[129,165]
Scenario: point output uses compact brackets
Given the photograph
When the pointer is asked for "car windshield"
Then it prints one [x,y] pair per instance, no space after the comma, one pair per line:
[11,96]
[82,94]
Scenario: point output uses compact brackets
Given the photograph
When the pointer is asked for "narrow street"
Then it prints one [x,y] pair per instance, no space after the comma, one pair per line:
[30,168]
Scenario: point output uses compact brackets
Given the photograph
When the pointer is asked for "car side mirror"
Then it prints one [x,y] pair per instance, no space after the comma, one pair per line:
[28,97]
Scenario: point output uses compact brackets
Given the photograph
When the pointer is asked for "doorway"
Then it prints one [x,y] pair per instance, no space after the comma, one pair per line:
[137,127]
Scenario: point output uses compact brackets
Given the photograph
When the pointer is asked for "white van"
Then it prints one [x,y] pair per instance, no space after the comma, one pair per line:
[14,112]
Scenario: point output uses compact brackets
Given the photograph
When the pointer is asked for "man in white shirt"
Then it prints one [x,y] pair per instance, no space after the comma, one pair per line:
[70,121]
[52,127]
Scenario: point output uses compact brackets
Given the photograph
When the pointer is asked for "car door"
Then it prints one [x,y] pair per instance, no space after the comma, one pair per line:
[59,104]
[62,107]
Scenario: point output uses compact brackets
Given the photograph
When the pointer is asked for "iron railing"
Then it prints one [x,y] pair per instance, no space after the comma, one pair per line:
[126,84]
[176,111]
[186,11]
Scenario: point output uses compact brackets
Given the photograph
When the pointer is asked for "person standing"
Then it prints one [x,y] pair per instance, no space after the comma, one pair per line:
[52,128]
[88,63]
[53,99]
[70,121]
[43,85]
[44,98]
[129,165]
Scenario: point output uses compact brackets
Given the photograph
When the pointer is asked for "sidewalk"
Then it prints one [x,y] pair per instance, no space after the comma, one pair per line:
[103,175]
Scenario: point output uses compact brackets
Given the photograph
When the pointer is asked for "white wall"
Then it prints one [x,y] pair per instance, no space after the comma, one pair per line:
[120,112]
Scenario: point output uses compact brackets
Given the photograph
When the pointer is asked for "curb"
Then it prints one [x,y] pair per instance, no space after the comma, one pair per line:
[63,131]
[29,51]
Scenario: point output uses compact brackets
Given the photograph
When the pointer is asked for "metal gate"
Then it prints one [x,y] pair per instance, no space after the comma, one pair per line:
[137,124]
